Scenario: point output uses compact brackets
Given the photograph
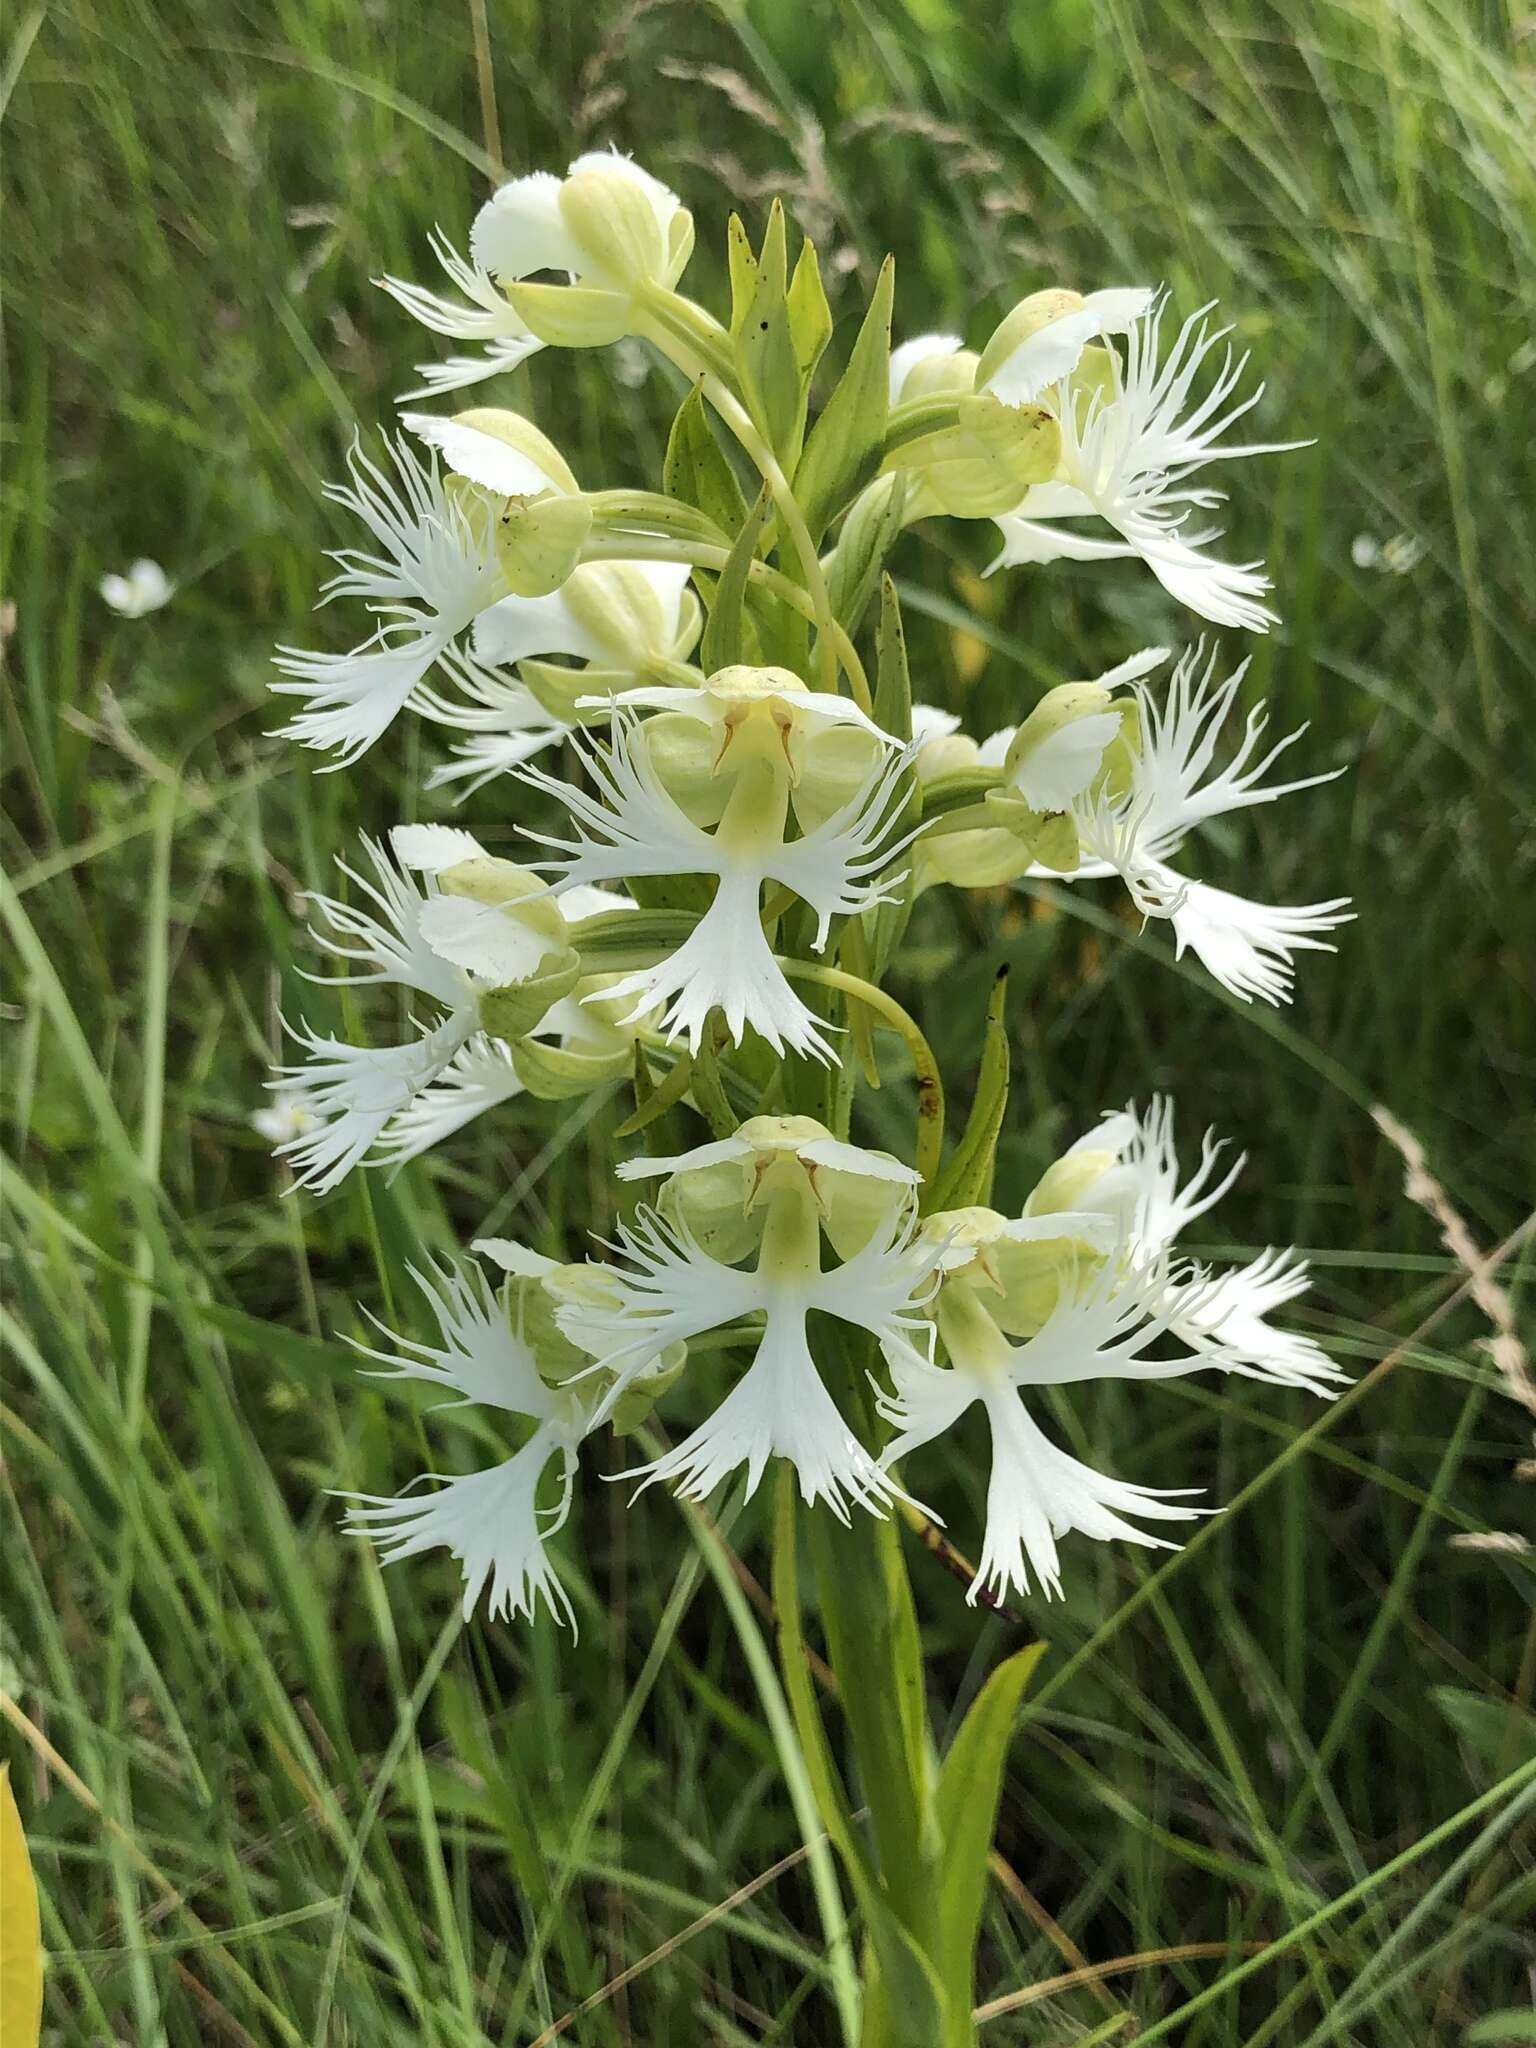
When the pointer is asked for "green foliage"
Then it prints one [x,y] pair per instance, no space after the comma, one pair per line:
[847,441]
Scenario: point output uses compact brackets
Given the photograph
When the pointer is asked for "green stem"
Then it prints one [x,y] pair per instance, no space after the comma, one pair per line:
[930,1083]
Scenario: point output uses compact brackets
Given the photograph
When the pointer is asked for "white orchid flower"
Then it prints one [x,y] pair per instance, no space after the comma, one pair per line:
[635,825]
[1126,1171]
[1133,823]
[435,570]
[456,948]
[492,1521]
[484,314]
[608,227]
[1098,1329]
[672,1289]
[1130,454]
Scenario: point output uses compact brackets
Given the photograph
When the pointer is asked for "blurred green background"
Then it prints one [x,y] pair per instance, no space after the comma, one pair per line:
[277,1796]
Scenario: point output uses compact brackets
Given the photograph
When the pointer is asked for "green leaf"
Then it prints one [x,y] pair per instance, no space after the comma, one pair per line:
[1503,1736]
[1517,2024]
[653,1101]
[870,531]
[723,636]
[846,444]
[967,1181]
[893,681]
[619,941]
[810,317]
[697,471]
[970,1785]
[763,340]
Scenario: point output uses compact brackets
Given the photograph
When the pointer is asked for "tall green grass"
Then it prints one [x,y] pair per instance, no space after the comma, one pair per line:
[277,1796]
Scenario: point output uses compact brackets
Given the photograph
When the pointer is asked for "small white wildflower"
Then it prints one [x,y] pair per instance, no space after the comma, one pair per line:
[145,588]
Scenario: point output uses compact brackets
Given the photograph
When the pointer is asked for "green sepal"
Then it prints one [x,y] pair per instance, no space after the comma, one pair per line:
[871,529]
[555,1074]
[970,1786]
[763,341]
[519,1008]
[697,471]
[571,315]
[966,1183]
[722,646]
[620,941]
[848,440]
[555,688]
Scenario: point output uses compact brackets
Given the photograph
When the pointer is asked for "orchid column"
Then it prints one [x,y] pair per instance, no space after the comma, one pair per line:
[707,915]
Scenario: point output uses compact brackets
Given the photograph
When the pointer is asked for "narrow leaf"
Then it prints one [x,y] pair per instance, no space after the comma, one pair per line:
[845,446]
[723,638]
[21,1936]
[870,531]
[967,1181]
[970,1785]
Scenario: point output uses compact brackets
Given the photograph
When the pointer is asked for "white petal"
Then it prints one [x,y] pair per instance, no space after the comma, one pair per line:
[718,1153]
[855,1159]
[1062,766]
[486,939]
[1045,358]
[520,229]
[492,1524]
[477,1357]
[520,626]
[515,1258]
[930,723]
[1119,307]
[484,458]
[432,848]
[779,1408]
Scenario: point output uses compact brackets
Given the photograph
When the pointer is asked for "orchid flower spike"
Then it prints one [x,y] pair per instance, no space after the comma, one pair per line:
[478,937]
[1132,442]
[747,752]
[769,1193]
[1102,784]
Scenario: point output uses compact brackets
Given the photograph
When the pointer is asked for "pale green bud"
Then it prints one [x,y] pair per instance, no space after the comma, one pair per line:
[941,375]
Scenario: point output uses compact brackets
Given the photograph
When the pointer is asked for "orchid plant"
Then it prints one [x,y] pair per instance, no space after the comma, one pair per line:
[706,912]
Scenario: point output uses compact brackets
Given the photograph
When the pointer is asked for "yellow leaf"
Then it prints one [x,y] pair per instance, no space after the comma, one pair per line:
[21,1950]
